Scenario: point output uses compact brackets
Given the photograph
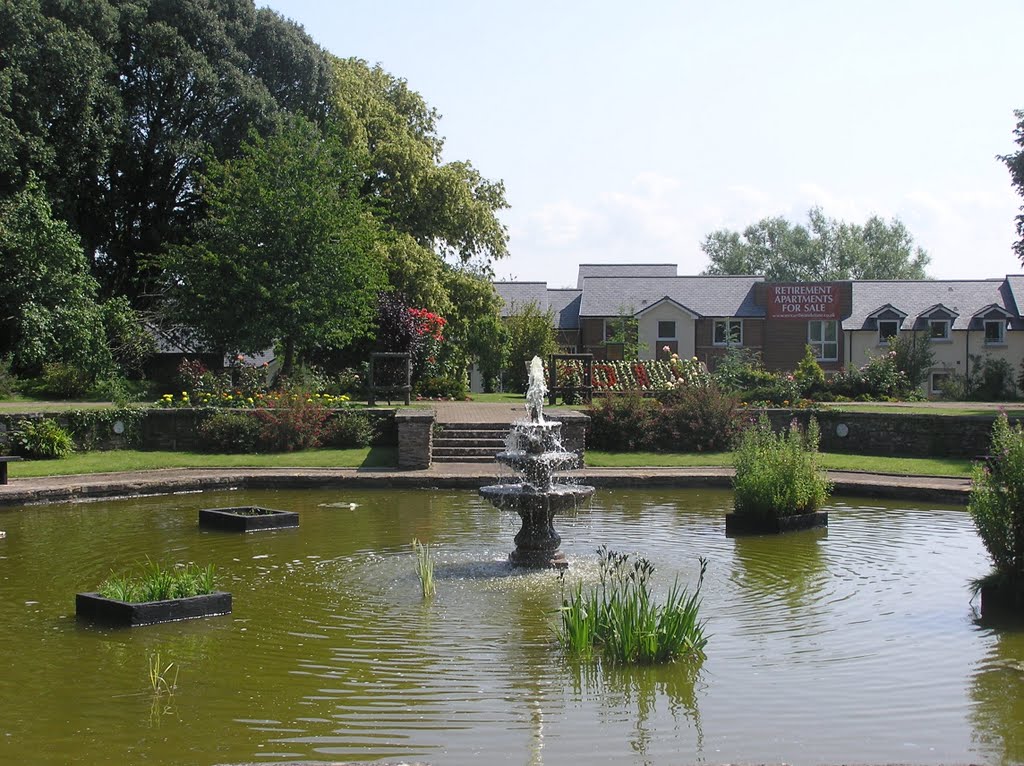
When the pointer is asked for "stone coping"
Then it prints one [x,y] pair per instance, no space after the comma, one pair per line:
[57,489]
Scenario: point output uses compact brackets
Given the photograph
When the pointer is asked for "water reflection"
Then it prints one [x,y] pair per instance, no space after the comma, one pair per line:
[997,694]
[765,579]
[635,691]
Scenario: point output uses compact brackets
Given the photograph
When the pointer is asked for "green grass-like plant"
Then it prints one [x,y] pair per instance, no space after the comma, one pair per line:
[424,568]
[160,679]
[778,474]
[619,621]
[158,583]
[997,504]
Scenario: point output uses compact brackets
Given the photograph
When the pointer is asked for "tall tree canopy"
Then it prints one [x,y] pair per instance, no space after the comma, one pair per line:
[48,311]
[286,253]
[1015,163]
[115,103]
[824,250]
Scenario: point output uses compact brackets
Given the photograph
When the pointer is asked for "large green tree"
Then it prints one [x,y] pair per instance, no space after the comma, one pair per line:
[1015,163]
[825,249]
[286,253]
[114,104]
[48,311]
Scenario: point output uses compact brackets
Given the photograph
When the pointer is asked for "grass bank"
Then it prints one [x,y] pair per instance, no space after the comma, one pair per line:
[135,460]
[833,461]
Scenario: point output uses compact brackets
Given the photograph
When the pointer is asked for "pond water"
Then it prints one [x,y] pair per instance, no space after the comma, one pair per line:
[858,644]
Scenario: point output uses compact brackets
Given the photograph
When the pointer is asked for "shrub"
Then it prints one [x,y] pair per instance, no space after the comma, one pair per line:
[623,423]
[620,620]
[348,430]
[778,474]
[992,379]
[442,388]
[808,374]
[914,355]
[697,419]
[740,369]
[8,380]
[42,440]
[63,381]
[997,501]
[295,423]
[231,432]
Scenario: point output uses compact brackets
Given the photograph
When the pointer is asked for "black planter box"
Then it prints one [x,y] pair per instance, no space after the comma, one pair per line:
[741,524]
[93,606]
[249,518]
[1002,601]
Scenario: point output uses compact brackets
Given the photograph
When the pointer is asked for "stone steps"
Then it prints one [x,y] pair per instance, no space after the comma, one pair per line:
[468,442]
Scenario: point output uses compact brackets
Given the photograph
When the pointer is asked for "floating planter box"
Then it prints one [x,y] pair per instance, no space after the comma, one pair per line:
[93,606]
[250,518]
[1001,601]
[741,524]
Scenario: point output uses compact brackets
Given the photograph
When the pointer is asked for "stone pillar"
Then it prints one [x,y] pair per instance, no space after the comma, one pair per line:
[574,429]
[415,438]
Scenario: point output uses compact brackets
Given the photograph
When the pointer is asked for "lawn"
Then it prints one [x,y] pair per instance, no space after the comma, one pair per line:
[136,460]
[831,460]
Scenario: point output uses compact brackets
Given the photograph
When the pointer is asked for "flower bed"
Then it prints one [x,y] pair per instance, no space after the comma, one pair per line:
[611,376]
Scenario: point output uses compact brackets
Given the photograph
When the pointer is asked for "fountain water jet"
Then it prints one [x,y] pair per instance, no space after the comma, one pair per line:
[534,449]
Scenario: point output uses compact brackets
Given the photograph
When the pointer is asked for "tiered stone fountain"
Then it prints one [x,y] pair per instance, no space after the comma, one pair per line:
[534,450]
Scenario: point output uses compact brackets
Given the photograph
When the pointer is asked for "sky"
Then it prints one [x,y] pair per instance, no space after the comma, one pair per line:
[626,132]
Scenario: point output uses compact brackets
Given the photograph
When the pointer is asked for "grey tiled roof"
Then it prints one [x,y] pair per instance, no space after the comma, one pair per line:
[565,303]
[1016,284]
[515,295]
[964,297]
[705,296]
[624,270]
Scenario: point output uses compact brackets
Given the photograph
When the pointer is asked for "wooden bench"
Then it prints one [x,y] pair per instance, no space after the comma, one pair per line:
[4,460]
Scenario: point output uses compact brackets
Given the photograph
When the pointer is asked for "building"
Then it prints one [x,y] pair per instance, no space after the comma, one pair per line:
[843,322]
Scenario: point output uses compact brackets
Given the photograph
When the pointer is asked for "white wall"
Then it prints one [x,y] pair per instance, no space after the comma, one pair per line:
[950,356]
[648,330]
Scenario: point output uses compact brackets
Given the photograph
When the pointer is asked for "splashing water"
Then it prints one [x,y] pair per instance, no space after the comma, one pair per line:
[536,391]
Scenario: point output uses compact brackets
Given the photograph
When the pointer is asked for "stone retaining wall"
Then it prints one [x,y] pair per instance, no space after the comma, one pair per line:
[896,435]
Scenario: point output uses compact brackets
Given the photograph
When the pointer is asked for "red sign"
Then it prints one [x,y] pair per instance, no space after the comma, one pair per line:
[807,300]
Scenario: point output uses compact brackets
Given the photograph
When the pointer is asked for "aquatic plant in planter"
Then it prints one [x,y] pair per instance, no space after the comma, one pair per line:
[619,622]
[997,507]
[249,518]
[779,484]
[157,594]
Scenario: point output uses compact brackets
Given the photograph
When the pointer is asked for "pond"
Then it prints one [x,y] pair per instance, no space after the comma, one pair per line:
[856,644]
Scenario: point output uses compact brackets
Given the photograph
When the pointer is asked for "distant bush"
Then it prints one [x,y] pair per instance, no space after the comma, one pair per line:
[8,380]
[42,440]
[296,422]
[623,423]
[442,388]
[230,432]
[697,419]
[348,430]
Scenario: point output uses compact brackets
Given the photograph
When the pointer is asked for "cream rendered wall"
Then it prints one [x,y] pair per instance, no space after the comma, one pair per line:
[648,330]
[950,356]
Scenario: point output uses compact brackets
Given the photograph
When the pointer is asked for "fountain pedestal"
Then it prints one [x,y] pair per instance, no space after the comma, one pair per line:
[534,450]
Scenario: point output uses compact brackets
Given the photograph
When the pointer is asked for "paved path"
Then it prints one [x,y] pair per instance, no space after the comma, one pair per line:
[52,489]
[484,412]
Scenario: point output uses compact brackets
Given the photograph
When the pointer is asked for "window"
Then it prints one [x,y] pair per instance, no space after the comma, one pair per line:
[995,332]
[823,338]
[938,381]
[728,332]
[666,330]
[887,328]
[938,329]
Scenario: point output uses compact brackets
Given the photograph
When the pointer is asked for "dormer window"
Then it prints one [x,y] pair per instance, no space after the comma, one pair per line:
[995,332]
[887,328]
[938,329]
